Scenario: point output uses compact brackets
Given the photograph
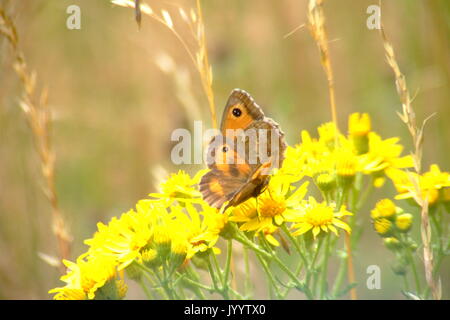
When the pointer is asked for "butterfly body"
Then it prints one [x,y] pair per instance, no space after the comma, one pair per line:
[241,156]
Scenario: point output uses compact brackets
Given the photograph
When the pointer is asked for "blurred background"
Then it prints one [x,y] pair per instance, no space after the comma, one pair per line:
[117,93]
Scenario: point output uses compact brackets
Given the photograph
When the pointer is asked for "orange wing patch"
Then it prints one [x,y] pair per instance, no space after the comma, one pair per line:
[215,187]
[237,117]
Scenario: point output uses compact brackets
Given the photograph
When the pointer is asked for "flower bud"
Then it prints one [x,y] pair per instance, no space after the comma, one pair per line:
[133,271]
[399,267]
[345,169]
[412,244]
[178,252]
[392,243]
[325,181]
[112,290]
[359,127]
[122,288]
[162,242]
[384,208]
[150,258]
[359,124]
[228,232]
[445,195]
[383,227]
[200,260]
[403,222]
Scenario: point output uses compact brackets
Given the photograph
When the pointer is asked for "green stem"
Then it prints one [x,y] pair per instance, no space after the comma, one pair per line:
[213,275]
[147,292]
[147,272]
[340,276]
[414,269]
[247,280]
[296,245]
[199,285]
[245,241]
[405,281]
[297,273]
[192,279]
[441,248]
[273,257]
[269,275]
[311,268]
[364,196]
[223,288]
[323,280]
[228,262]
[165,283]
[216,265]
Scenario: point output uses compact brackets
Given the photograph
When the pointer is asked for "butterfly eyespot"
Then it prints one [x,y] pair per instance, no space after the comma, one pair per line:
[237,112]
[224,149]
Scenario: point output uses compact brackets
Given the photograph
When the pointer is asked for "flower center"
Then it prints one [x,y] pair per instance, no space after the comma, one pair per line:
[272,207]
[319,216]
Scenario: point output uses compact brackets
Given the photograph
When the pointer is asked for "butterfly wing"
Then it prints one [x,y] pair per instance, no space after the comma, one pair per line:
[265,143]
[269,147]
[240,111]
[238,172]
[229,172]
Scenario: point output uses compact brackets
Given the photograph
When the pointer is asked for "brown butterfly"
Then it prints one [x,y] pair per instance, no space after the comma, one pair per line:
[240,163]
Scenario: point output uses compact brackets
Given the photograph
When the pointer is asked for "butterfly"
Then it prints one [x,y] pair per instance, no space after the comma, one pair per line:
[242,155]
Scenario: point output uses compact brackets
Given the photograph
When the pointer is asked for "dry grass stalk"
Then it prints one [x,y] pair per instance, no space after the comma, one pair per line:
[408,116]
[198,54]
[137,12]
[316,24]
[37,113]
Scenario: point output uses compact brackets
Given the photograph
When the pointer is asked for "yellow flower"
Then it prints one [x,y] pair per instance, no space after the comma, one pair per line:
[85,277]
[162,239]
[346,167]
[435,178]
[446,194]
[122,288]
[245,211]
[384,208]
[384,154]
[359,128]
[320,217]
[268,234]
[178,252]
[403,222]
[359,124]
[150,258]
[316,157]
[181,187]
[276,204]
[383,226]
[311,154]
[429,183]
[198,230]
[124,238]
[327,134]
[67,293]
[293,164]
